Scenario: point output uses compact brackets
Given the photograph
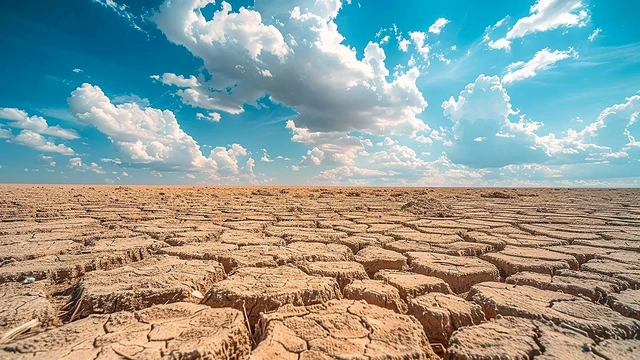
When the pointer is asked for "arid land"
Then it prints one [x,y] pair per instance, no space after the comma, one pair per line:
[133,272]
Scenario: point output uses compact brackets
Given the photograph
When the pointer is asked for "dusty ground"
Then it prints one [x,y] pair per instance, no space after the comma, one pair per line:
[318,273]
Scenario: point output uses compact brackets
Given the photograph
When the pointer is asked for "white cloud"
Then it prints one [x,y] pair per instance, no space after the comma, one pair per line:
[190,176]
[150,137]
[46,159]
[77,164]
[265,156]
[121,10]
[595,34]
[295,168]
[549,15]
[348,172]
[337,147]
[212,116]
[545,15]
[5,133]
[76,70]
[500,22]
[131,98]
[396,157]
[423,139]
[500,44]
[494,102]
[125,174]
[442,58]
[419,38]
[412,61]
[403,44]
[115,161]
[227,159]
[542,60]
[481,112]
[616,129]
[334,90]
[384,40]
[39,142]
[387,142]
[37,124]
[313,157]
[437,26]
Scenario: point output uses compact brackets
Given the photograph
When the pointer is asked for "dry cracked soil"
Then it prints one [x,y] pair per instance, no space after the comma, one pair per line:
[112,272]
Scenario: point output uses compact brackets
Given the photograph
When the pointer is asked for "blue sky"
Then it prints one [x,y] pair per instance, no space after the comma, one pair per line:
[306,92]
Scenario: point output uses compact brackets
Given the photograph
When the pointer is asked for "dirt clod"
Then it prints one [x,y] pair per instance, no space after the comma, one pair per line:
[344,328]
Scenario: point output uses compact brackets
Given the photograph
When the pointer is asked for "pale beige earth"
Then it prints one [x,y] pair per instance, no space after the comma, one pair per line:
[112,272]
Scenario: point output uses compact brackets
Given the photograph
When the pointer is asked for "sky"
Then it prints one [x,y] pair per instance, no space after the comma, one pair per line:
[321,92]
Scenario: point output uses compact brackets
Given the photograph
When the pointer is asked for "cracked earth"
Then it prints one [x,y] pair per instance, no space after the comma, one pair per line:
[105,272]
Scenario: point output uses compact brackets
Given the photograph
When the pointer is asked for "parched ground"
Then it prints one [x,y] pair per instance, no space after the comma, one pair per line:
[109,272]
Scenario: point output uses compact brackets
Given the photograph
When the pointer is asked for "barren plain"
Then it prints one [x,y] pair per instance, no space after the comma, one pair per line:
[112,272]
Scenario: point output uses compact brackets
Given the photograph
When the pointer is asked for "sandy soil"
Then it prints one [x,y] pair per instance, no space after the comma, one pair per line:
[108,272]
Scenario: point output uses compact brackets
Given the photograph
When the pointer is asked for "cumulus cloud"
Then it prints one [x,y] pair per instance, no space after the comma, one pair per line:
[39,142]
[419,41]
[423,139]
[227,159]
[147,136]
[500,44]
[77,165]
[131,98]
[616,131]
[336,147]
[542,60]
[482,111]
[396,157]
[348,172]
[387,142]
[212,116]
[301,48]
[403,44]
[37,124]
[265,156]
[46,159]
[314,156]
[483,135]
[5,133]
[437,26]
